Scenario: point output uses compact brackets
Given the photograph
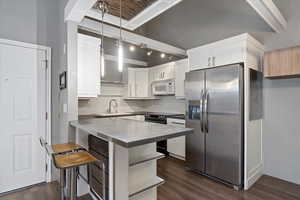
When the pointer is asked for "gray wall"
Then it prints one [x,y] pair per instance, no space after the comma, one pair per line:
[281,136]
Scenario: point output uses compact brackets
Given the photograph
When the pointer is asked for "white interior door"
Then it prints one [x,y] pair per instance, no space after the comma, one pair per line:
[22,117]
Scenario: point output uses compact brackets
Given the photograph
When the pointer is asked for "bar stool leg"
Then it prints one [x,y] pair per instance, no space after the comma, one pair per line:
[69,182]
[62,183]
[73,195]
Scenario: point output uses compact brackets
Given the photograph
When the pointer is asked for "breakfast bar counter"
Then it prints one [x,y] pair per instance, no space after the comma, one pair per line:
[132,154]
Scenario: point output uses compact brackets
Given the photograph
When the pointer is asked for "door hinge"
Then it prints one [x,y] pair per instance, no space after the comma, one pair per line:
[46,115]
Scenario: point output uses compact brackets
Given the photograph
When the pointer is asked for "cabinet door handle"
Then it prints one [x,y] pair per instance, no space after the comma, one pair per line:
[214,61]
[179,123]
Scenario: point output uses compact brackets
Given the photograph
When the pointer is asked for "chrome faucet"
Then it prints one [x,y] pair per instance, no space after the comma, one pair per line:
[109,110]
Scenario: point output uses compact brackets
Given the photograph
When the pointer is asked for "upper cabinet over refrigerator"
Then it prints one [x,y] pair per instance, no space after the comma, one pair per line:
[238,49]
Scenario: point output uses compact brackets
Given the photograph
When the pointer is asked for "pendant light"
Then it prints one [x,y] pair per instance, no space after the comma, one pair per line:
[120,45]
[102,6]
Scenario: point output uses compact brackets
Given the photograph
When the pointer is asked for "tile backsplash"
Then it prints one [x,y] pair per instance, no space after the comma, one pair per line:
[166,104]
[100,105]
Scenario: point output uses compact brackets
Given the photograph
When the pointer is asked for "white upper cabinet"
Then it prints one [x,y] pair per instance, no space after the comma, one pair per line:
[138,83]
[88,66]
[181,67]
[224,52]
[199,58]
[131,82]
[162,72]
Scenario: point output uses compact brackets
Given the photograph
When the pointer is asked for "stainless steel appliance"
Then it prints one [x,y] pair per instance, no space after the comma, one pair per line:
[161,118]
[214,108]
[161,88]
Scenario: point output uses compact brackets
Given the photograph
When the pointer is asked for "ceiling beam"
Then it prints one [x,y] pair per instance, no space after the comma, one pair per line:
[133,38]
[144,16]
[75,10]
[126,60]
[150,12]
[270,13]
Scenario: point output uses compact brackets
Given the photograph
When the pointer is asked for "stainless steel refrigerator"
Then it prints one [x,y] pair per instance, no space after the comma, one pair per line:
[214,108]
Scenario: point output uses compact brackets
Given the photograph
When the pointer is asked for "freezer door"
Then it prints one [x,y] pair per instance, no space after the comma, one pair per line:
[223,123]
[195,142]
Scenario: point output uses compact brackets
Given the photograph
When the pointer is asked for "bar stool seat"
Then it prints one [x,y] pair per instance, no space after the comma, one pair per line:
[65,148]
[72,161]
[75,159]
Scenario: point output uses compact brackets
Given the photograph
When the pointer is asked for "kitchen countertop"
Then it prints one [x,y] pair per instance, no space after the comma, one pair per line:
[89,116]
[129,133]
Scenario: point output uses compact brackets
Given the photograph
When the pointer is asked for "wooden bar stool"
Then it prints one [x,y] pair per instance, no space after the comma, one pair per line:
[73,161]
[63,149]
[58,149]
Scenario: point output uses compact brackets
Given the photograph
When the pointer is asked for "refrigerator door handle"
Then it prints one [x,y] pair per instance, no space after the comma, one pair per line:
[206,111]
[202,111]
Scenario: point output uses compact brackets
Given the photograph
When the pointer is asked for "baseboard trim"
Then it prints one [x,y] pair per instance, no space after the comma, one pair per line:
[254,175]
[176,156]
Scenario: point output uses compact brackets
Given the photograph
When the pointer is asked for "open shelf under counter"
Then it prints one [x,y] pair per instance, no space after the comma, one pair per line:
[146,158]
[149,184]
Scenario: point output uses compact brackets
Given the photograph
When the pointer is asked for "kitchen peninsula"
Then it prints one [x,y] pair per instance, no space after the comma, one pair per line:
[131,149]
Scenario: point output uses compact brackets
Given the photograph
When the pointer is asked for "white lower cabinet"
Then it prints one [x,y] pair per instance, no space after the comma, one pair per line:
[176,146]
[138,82]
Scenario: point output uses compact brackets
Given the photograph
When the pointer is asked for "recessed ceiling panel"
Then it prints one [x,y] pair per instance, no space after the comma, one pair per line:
[130,8]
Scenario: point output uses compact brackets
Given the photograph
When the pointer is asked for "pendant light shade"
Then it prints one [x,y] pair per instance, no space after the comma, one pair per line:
[120,57]
[102,64]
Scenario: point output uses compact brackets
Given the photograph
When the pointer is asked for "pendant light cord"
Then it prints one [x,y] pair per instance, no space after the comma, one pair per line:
[120,20]
[102,31]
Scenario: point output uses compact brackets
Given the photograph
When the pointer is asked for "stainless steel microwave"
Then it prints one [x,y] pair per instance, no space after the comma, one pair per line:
[163,88]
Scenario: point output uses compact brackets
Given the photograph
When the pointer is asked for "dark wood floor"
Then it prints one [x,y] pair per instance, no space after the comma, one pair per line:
[184,185]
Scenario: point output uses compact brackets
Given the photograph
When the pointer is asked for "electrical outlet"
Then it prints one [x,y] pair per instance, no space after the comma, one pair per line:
[65,108]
